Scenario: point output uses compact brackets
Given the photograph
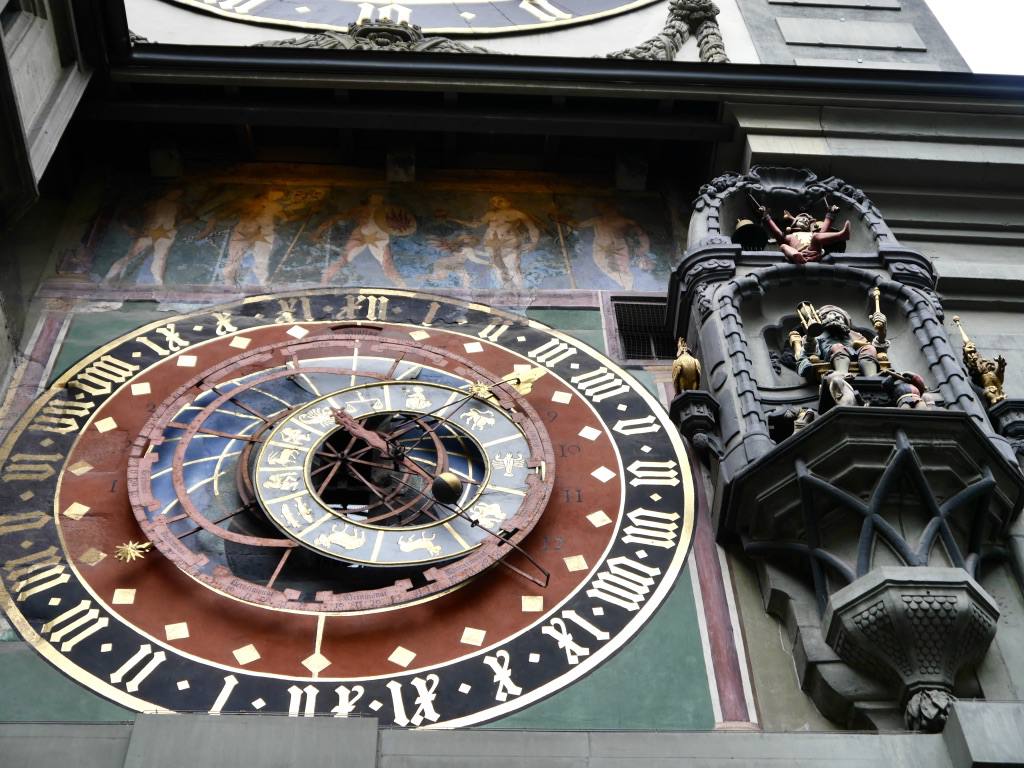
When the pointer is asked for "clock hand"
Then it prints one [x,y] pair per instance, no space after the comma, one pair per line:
[456,509]
[378,441]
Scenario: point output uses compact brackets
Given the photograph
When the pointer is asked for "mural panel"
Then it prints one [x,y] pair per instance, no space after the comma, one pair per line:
[239,232]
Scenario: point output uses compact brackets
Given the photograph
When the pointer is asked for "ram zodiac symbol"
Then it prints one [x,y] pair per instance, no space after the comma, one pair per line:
[478,420]
[423,542]
[345,538]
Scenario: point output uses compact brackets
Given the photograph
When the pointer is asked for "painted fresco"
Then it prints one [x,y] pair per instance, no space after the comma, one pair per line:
[253,233]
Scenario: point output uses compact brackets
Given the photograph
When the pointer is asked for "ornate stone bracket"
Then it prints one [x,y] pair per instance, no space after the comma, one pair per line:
[919,626]
[696,413]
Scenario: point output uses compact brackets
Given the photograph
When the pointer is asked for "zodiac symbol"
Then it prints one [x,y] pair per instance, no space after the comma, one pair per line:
[289,517]
[294,436]
[283,457]
[478,420]
[344,538]
[508,462]
[417,399]
[487,515]
[423,542]
[350,405]
[321,416]
[285,481]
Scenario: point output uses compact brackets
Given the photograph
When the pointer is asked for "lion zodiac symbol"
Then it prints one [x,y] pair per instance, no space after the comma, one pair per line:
[478,420]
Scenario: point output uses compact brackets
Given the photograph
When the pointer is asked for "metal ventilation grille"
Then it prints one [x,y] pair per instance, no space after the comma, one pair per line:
[641,326]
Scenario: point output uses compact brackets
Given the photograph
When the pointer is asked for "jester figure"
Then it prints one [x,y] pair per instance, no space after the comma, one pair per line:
[805,239]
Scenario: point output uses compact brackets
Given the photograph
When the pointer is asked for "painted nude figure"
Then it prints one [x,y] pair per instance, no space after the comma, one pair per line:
[805,239]
[163,216]
[616,240]
[510,233]
[375,224]
[255,220]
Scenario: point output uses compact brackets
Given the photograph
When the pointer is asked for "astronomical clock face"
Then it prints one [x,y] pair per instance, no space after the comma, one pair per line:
[340,503]
[466,17]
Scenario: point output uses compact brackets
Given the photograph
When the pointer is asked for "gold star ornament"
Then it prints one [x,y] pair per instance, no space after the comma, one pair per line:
[132,550]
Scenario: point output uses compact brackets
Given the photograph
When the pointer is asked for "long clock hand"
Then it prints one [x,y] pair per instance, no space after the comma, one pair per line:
[457,510]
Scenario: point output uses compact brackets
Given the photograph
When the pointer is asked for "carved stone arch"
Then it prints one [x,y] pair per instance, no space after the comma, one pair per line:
[724,343]
[728,198]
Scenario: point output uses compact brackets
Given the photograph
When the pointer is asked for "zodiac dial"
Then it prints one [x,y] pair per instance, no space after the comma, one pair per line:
[345,502]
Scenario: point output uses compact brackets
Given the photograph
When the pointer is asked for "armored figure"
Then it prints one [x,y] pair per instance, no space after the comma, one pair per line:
[985,372]
[834,341]
[831,350]
[805,239]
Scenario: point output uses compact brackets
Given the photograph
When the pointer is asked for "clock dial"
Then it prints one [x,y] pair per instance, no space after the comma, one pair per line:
[388,503]
[446,17]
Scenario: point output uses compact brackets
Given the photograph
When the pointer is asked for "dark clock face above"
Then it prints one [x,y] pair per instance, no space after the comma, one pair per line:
[466,17]
[379,503]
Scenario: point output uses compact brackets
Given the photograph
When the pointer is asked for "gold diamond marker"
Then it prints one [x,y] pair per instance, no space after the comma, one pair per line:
[105,425]
[177,631]
[316,663]
[401,656]
[76,511]
[123,597]
[471,636]
[26,495]
[247,654]
[598,519]
[79,468]
[297,332]
[187,361]
[141,388]
[419,335]
[91,556]
[183,685]
[576,563]
[533,603]
[240,342]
